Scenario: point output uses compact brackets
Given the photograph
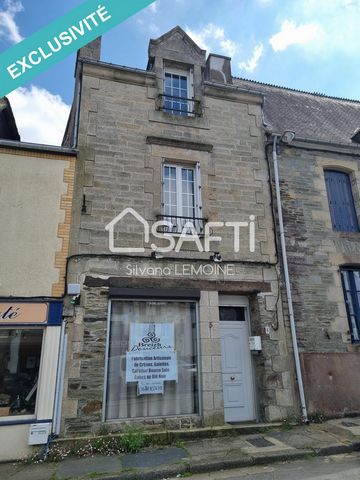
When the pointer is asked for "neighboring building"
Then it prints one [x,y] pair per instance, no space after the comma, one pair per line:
[35,196]
[8,128]
[320,188]
[178,142]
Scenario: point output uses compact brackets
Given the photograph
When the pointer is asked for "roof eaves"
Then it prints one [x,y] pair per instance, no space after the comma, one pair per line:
[280,87]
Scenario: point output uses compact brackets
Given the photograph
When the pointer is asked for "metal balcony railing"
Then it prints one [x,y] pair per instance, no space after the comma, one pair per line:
[179,105]
[177,224]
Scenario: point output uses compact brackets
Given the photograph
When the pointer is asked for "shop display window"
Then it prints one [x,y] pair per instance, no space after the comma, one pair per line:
[20,353]
[152,360]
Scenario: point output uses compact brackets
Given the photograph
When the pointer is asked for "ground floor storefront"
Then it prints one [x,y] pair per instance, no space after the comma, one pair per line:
[174,353]
[30,344]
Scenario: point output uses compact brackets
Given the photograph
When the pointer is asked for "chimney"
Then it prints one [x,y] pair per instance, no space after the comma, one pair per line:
[218,69]
[91,51]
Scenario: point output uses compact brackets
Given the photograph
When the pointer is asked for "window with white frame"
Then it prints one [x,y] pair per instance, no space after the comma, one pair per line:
[182,197]
[178,92]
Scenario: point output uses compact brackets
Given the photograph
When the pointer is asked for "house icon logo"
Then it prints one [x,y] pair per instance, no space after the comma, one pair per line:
[111,226]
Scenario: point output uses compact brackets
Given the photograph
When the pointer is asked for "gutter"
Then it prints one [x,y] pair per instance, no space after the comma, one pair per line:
[234,88]
[37,147]
[334,147]
[299,376]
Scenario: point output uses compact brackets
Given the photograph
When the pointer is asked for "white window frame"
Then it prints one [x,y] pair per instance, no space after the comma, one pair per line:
[179,205]
[189,74]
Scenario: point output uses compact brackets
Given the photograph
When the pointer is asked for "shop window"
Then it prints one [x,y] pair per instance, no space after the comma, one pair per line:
[341,201]
[20,352]
[152,360]
[351,286]
[181,198]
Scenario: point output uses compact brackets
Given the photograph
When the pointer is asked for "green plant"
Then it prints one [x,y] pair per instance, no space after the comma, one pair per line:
[103,430]
[133,439]
[316,417]
[290,422]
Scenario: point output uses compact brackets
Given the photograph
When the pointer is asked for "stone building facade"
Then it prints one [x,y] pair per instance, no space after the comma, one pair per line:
[319,178]
[177,142]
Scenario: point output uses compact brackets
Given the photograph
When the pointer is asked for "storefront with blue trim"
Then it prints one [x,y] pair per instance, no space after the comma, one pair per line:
[31,343]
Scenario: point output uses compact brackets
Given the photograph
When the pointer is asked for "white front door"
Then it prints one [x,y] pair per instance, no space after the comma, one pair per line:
[236,364]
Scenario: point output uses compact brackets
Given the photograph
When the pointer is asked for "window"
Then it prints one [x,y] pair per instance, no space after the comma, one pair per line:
[178,92]
[351,286]
[181,197]
[153,359]
[232,314]
[341,201]
[20,352]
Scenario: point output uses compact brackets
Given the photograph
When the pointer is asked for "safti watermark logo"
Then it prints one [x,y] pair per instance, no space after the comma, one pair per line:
[189,234]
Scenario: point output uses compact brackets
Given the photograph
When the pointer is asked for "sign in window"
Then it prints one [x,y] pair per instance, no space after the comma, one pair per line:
[152,363]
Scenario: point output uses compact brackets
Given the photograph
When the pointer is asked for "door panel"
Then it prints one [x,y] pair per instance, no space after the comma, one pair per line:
[237,371]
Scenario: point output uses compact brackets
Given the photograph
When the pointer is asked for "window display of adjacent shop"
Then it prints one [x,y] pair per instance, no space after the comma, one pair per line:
[152,359]
[20,353]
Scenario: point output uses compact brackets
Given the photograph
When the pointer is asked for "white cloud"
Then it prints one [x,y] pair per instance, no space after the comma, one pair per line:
[253,62]
[41,117]
[154,7]
[319,27]
[213,37]
[8,27]
[292,34]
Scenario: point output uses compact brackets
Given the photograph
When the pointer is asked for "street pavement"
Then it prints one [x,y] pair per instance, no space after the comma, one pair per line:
[327,451]
[337,467]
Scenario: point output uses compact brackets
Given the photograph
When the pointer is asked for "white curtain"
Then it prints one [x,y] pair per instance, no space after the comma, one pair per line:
[179,398]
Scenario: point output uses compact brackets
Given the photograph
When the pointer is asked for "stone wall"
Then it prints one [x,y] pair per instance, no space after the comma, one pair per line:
[315,254]
[124,140]
[87,328]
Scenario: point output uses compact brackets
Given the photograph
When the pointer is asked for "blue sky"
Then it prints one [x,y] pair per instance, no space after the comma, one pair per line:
[311,45]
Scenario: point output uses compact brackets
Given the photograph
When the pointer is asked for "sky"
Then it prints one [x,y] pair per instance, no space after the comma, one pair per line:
[310,45]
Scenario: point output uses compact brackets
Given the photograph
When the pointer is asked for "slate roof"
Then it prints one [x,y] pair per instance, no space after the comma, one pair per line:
[311,116]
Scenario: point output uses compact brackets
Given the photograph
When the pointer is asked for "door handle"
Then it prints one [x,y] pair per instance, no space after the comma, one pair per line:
[232,378]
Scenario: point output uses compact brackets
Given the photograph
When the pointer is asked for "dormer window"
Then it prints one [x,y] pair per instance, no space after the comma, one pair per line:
[178,92]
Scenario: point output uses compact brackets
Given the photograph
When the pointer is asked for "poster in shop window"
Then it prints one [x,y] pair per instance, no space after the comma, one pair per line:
[151,359]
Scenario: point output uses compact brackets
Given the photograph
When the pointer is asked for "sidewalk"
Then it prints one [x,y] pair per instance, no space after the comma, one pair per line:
[203,455]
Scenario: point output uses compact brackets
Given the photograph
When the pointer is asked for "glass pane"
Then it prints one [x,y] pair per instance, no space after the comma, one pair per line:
[167,80]
[20,353]
[152,364]
[176,81]
[349,303]
[354,329]
[357,279]
[183,83]
[345,275]
[232,314]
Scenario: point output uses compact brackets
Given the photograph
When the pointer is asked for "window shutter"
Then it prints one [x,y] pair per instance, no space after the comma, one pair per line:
[341,201]
[198,191]
[191,86]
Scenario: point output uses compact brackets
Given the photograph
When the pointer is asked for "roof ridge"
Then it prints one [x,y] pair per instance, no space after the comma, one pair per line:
[315,94]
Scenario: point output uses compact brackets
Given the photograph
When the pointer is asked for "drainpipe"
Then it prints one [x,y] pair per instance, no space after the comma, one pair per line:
[287,282]
[60,381]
